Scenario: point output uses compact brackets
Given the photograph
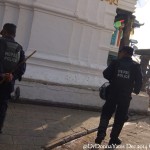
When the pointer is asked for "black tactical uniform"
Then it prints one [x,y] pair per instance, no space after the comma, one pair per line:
[125,77]
[11,54]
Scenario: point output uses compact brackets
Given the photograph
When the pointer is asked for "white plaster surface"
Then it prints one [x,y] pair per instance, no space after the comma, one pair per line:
[72,39]
[74,95]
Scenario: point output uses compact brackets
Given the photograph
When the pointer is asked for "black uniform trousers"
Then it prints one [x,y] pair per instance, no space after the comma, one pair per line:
[4,99]
[118,104]
[3,109]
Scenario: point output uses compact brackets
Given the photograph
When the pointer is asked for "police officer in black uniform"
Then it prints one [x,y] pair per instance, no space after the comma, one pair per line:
[125,77]
[11,54]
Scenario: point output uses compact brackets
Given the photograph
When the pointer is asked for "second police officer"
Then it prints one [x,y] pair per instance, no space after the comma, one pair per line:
[125,77]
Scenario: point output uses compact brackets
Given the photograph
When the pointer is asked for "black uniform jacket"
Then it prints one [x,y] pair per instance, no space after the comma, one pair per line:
[124,76]
[8,87]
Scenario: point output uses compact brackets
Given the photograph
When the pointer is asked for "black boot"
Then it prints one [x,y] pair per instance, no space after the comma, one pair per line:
[99,140]
[102,130]
[116,141]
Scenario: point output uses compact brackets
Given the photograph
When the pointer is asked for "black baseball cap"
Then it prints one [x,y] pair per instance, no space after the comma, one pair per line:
[10,28]
[128,49]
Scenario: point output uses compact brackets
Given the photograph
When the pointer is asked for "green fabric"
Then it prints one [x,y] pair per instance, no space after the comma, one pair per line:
[117,24]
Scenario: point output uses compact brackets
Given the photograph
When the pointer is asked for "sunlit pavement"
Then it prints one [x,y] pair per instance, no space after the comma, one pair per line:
[135,136]
[30,127]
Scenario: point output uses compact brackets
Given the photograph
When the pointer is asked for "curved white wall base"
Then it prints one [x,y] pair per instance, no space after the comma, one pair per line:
[74,96]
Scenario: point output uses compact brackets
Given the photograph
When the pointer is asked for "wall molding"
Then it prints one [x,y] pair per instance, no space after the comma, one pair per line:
[51,61]
[57,11]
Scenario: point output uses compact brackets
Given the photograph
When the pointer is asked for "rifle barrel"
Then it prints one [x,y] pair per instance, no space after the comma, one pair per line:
[23,61]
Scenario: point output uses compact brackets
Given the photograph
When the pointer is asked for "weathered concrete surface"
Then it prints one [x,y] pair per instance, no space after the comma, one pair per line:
[87,97]
[135,136]
[30,127]
[140,102]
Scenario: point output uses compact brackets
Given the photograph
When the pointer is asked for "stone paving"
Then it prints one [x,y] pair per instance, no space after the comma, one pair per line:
[135,136]
[30,127]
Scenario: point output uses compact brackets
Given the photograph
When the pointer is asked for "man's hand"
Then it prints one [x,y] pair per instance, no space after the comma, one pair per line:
[8,77]
[136,92]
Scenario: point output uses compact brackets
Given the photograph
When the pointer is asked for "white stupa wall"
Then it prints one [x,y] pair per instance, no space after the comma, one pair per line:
[72,39]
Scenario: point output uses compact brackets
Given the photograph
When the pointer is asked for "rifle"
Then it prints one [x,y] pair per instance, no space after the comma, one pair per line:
[19,65]
[22,62]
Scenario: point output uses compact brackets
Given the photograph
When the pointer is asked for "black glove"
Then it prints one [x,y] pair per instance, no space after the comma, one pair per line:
[136,92]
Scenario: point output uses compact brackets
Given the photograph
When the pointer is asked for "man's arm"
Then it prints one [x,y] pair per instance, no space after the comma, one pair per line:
[138,80]
[21,69]
[108,73]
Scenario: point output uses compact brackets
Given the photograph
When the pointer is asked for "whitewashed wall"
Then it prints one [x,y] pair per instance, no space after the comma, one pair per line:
[72,37]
